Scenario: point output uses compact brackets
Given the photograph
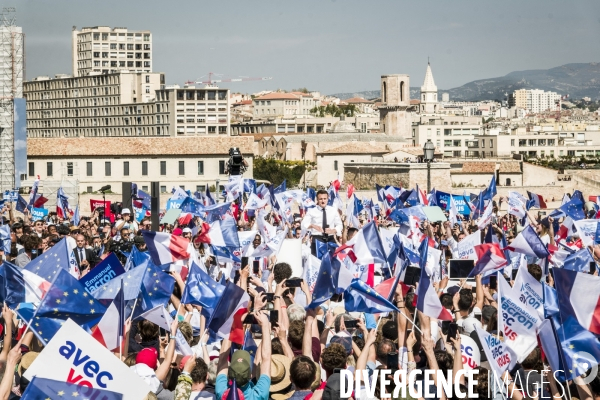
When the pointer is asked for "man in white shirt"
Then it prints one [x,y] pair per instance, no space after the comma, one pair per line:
[323,221]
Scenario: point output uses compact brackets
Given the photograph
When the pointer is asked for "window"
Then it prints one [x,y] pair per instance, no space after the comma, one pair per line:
[200,167]
[107,171]
[163,189]
[181,167]
[522,142]
[88,168]
[491,143]
[200,188]
[512,142]
[31,169]
[221,167]
[145,188]
[89,189]
[69,169]
[125,168]
[144,167]
[163,167]
[147,78]
[335,165]
[49,169]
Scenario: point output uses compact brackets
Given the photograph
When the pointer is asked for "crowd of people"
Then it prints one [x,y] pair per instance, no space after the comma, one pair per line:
[290,349]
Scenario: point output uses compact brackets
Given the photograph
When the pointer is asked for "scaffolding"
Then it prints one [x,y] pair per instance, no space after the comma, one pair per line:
[12,71]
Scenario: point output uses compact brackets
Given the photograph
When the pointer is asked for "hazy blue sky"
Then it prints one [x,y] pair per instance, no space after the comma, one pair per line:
[331,46]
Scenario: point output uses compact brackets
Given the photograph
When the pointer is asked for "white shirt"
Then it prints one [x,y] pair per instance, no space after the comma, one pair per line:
[314,216]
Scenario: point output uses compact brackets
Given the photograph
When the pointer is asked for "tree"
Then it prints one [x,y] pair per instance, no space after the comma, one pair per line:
[331,109]
[275,171]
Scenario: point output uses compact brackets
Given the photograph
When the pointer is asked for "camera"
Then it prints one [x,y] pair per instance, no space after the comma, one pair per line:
[236,164]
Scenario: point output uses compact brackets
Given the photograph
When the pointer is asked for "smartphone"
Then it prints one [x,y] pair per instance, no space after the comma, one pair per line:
[592,267]
[392,360]
[270,297]
[213,260]
[514,274]
[493,282]
[541,213]
[474,289]
[477,317]
[244,262]
[294,282]
[250,319]
[351,323]
[255,266]
[452,330]
[274,317]
[445,325]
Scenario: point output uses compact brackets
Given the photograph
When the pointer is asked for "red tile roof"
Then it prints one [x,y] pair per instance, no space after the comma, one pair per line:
[278,96]
[357,100]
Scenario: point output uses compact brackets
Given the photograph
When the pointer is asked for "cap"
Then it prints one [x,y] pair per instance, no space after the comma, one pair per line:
[345,341]
[148,356]
[74,228]
[469,325]
[177,231]
[138,240]
[126,211]
[240,368]
[183,361]
[187,230]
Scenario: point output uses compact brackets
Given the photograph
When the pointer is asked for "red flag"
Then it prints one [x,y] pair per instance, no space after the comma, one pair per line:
[350,190]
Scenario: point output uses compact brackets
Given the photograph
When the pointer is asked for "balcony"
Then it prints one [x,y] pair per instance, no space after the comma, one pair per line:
[473,145]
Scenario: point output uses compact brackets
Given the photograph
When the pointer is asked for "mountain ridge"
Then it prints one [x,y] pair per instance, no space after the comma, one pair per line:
[578,80]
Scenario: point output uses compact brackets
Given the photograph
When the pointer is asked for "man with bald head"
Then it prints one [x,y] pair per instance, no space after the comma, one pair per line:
[86,258]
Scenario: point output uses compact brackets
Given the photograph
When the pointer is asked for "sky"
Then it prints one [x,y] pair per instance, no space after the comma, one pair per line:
[331,46]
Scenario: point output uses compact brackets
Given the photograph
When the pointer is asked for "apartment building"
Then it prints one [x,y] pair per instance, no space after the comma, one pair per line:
[119,104]
[454,136]
[364,123]
[535,100]
[102,50]
[194,111]
[276,104]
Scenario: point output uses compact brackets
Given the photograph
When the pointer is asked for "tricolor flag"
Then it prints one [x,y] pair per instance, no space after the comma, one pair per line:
[226,320]
[529,243]
[110,330]
[579,292]
[453,211]
[34,190]
[223,233]
[62,204]
[349,190]
[428,301]
[422,197]
[366,246]
[359,297]
[165,248]
[23,286]
[536,200]
[489,258]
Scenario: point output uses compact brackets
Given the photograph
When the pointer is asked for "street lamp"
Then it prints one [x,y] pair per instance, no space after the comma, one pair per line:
[303,144]
[428,151]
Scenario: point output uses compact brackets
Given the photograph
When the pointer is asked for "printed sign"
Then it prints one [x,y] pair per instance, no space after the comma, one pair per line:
[102,273]
[466,247]
[498,354]
[39,213]
[471,356]
[100,203]
[531,290]
[76,357]
[462,202]
[586,228]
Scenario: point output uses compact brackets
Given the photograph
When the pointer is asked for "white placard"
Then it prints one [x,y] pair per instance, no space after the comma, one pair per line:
[291,253]
[74,356]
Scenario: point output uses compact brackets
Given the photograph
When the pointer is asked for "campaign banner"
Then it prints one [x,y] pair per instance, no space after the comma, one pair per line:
[387,239]
[516,207]
[471,356]
[11,195]
[466,247]
[246,238]
[102,273]
[519,321]
[140,213]
[174,203]
[486,217]
[38,213]
[586,228]
[74,356]
[462,202]
[498,354]
[311,271]
[100,203]
[531,291]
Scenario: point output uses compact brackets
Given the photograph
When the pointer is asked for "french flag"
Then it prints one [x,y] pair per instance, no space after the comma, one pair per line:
[165,248]
[23,286]
[366,246]
[579,294]
[110,330]
[529,243]
[349,190]
[489,258]
[428,301]
[226,320]
[537,200]
[422,197]
[223,233]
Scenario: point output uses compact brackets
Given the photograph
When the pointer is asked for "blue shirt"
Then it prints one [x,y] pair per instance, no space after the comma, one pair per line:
[258,391]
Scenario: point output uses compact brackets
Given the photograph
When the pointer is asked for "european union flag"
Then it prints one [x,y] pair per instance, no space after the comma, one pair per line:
[216,212]
[136,258]
[193,206]
[359,297]
[250,345]
[21,204]
[573,208]
[224,255]
[579,261]
[50,262]
[312,193]
[324,287]
[201,290]
[490,191]
[281,188]
[41,388]
[65,299]
[324,247]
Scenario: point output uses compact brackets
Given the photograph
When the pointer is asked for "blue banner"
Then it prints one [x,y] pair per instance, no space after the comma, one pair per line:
[462,202]
[102,273]
[174,203]
[39,213]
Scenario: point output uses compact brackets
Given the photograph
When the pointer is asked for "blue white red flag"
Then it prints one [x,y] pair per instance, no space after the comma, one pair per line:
[226,320]
[110,330]
[529,243]
[489,258]
[580,293]
[428,301]
[536,200]
[165,248]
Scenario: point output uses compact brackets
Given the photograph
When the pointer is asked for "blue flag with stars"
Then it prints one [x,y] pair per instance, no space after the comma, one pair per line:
[41,388]
[201,290]
[50,262]
[136,258]
[324,287]
[250,346]
[65,299]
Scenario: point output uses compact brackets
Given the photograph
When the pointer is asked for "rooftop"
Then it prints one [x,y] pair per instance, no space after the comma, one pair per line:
[357,100]
[136,146]
[357,148]
[510,167]
[278,96]
[478,168]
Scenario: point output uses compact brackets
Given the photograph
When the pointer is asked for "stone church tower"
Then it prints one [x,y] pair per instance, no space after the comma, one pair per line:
[429,100]
[395,100]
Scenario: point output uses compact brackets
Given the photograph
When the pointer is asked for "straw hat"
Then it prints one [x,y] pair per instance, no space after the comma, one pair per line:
[280,372]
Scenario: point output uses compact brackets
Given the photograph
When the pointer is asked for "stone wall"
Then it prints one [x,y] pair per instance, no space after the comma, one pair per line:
[364,176]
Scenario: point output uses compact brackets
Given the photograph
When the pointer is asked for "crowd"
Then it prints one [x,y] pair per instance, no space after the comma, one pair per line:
[298,338]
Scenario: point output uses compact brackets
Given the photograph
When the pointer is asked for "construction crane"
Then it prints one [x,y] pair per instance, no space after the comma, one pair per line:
[211,81]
